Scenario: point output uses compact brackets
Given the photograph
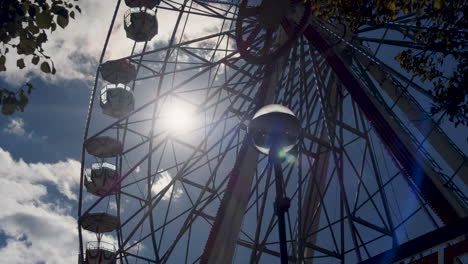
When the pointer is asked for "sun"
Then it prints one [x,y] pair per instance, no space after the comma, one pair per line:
[178,116]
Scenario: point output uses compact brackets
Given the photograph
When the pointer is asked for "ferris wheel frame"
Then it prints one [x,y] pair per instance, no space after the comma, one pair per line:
[403,150]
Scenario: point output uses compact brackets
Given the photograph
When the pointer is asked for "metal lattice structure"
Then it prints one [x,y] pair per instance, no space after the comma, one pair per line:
[372,169]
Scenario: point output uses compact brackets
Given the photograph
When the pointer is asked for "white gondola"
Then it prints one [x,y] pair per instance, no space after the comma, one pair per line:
[99,222]
[103,146]
[99,252]
[118,71]
[274,126]
[103,179]
[142,3]
[140,24]
[117,100]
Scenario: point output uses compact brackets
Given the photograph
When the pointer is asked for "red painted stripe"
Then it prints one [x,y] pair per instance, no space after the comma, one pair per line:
[454,251]
[430,259]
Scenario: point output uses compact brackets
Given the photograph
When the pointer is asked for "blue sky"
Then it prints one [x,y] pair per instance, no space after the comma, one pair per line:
[50,128]
[40,148]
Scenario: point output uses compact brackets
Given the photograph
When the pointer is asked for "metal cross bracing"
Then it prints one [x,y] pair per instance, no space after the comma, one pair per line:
[205,195]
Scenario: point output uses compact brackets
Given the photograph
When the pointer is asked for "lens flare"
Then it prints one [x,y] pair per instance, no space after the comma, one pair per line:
[178,116]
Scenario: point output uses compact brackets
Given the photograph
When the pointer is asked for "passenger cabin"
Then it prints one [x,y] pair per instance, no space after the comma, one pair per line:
[140,24]
[150,4]
[102,179]
[100,253]
[118,71]
[117,100]
[103,147]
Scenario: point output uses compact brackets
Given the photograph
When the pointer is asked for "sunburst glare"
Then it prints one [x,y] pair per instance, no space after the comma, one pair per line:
[178,116]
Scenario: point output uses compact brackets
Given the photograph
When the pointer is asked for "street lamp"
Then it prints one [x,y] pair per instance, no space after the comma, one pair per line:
[275,130]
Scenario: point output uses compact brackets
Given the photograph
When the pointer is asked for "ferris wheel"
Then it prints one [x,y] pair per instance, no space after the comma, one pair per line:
[254,132]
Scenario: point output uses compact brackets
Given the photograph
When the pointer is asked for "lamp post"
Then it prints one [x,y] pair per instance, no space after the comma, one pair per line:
[275,131]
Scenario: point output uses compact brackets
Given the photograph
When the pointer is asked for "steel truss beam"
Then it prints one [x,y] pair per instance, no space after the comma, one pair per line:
[385,76]
[224,233]
[419,118]
[412,167]
[244,172]
[419,244]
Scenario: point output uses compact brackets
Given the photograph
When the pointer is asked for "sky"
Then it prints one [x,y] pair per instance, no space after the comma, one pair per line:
[40,148]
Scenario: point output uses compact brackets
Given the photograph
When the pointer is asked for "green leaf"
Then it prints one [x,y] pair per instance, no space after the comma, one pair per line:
[20,63]
[35,60]
[62,21]
[390,5]
[44,20]
[59,10]
[78,8]
[23,101]
[45,67]
[72,14]
[41,38]
[26,46]
[30,87]
[19,12]
[9,105]
[32,28]
[32,11]
[2,63]
[8,109]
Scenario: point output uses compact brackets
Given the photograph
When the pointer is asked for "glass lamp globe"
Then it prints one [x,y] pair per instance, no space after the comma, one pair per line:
[274,127]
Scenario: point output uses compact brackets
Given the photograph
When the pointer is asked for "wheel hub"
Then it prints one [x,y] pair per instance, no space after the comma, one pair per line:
[272,12]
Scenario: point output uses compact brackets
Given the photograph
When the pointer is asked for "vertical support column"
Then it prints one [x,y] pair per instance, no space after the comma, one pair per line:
[223,237]
[311,207]
[316,184]
[279,206]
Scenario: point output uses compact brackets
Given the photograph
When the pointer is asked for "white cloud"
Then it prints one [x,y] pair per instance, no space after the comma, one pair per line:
[63,174]
[16,127]
[164,180]
[113,207]
[76,49]
[38,230]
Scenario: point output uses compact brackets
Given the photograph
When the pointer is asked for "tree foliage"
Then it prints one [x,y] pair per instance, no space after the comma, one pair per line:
[24,27]
[438,31]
